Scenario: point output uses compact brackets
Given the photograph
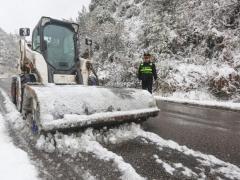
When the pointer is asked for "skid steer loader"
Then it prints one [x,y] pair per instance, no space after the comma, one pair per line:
[52,91]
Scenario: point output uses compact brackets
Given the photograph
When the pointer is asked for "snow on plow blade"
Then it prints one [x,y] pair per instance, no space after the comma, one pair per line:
[62,107]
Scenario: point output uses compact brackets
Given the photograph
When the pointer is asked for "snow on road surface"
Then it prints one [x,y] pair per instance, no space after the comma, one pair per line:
[14,163]
[95,142]
[91,140]
[206,103]
[127,132]
[67,144]
[72,144]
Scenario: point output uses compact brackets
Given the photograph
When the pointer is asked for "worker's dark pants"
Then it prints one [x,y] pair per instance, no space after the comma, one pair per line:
[147,84]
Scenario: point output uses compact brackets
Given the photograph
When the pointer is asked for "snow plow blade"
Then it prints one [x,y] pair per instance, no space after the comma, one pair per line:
[63,107]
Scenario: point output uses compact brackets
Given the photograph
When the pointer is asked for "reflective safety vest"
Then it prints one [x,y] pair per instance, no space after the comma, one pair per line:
[146,69]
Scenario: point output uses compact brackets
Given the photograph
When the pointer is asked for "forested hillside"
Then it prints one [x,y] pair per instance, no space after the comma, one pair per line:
[195,44]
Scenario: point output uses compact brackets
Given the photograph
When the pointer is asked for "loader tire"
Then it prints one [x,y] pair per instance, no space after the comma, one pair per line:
[16,92]
[13,90]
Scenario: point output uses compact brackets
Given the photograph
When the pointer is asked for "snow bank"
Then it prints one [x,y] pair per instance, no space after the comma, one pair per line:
[201,94]
[86,143]
[90,142]
[15,163]
[215,104]
[12,115]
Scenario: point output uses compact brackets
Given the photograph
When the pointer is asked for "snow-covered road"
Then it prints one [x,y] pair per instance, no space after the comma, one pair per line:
[14,162]
[124,152]
[209,129]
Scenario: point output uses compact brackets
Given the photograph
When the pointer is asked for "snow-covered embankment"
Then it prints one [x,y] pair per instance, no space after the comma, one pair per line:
[15,163]
[206,103]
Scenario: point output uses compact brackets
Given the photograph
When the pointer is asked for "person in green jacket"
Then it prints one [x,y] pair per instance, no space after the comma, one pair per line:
[147,72]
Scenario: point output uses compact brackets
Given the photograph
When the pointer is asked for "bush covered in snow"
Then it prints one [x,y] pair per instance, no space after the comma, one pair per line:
[225,83]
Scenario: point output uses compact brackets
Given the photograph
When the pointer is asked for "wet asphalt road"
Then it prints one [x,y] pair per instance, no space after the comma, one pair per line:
[209,130]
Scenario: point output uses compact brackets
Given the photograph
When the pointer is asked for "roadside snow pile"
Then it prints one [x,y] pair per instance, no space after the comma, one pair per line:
[15,164]
[131,132]
[206,103]
[13,116]
[86,143]
[200,95]
[91,141]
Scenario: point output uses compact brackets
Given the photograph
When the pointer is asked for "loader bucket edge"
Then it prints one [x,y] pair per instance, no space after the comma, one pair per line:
[61,107]
[99,119]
